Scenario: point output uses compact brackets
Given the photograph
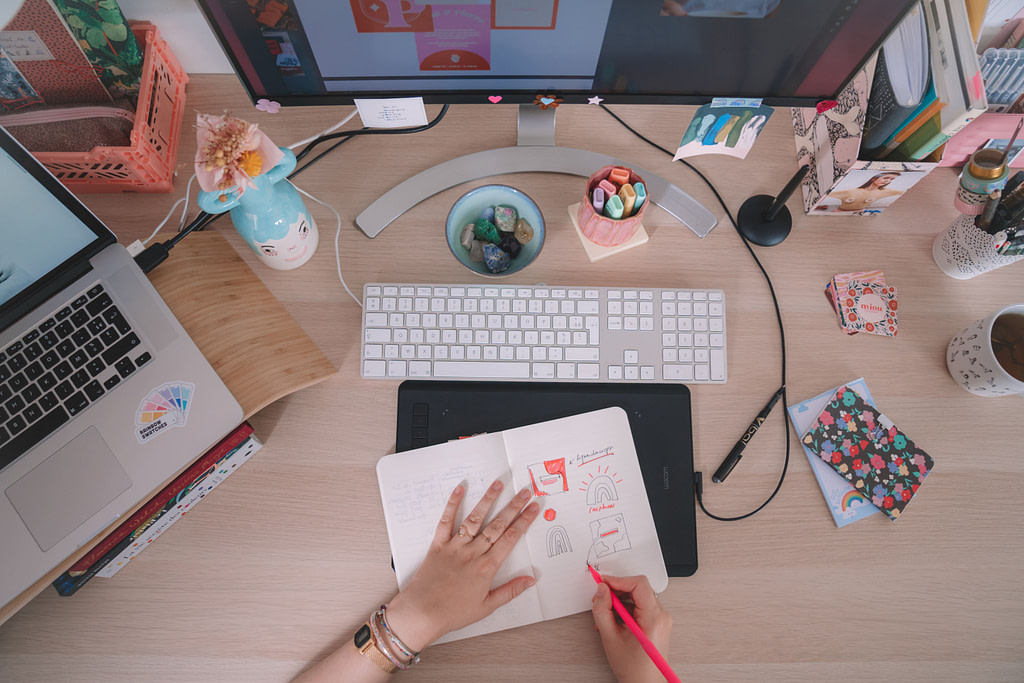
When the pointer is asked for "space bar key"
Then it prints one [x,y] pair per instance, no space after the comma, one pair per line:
[481,369]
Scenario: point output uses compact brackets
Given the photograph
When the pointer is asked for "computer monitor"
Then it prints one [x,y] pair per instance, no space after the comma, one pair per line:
[316,52]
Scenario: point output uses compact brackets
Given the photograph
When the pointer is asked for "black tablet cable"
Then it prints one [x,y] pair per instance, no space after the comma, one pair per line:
[698,477]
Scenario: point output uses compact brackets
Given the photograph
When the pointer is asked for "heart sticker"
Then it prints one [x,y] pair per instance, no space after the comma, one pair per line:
[495,99]
[547,100]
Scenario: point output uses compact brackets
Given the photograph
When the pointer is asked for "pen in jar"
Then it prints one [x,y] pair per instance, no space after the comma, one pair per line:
[983,221]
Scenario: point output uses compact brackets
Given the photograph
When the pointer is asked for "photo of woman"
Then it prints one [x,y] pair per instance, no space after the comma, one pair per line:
[875,192]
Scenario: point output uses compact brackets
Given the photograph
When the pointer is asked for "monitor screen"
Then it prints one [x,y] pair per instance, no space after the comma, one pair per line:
[788,52]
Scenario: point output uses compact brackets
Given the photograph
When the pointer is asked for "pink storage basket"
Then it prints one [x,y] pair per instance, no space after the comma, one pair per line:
[147,165]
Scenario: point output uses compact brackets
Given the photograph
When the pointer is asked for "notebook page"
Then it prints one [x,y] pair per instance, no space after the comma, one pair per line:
[585,472]
[416,484]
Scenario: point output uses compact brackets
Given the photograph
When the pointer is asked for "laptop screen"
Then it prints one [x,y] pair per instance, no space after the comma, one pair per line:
[44,231]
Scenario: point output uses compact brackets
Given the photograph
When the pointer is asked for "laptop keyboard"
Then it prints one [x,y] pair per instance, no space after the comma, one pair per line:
[56,370]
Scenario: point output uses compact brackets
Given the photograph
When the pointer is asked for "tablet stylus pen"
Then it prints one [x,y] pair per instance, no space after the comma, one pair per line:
[737,451]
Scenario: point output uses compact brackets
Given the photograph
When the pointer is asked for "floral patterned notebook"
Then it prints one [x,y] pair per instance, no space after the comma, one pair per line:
[867,449]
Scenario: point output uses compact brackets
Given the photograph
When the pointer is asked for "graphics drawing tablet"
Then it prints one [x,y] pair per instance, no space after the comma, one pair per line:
[432,412]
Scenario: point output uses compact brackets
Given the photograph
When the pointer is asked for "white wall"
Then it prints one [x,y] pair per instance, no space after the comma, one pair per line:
[184,28]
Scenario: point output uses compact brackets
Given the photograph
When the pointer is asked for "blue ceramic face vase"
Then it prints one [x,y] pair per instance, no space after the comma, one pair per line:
[271,217]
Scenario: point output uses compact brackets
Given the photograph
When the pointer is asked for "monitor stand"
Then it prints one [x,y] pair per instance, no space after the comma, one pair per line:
[535,151]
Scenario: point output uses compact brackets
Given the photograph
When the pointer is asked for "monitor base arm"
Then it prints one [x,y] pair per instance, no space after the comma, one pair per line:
[535,153]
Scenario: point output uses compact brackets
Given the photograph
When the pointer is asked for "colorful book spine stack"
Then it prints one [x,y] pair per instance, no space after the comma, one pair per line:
[162,510]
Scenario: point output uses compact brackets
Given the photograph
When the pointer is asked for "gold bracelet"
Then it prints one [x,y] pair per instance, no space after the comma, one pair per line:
[367,644]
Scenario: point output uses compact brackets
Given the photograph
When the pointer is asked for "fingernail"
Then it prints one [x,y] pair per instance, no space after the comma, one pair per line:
[524,494]
[531,582]
[496,486]
[458,490]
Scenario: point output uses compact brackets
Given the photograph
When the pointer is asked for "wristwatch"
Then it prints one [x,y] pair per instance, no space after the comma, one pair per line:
[367,645]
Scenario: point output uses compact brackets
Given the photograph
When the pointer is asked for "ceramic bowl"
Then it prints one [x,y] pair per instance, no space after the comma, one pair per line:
[471,205]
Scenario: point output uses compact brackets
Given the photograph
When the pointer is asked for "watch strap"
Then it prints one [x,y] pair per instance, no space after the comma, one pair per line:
[367,644]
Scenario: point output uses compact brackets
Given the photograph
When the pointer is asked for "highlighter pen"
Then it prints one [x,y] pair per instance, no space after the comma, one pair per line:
[628,196]
[613,207]
[737,451]
[598,199]
[641,195]
[634,628]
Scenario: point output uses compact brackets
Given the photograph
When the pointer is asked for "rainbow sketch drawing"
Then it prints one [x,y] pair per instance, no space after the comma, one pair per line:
[558,541]
[601,488]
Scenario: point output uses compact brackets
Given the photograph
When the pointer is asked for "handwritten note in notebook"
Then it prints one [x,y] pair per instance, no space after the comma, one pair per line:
[583,471]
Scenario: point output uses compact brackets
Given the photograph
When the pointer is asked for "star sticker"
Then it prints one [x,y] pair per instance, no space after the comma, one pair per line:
[594,100]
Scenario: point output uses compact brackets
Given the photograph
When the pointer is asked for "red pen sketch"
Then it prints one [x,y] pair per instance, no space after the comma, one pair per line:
[548,477]
[609,535]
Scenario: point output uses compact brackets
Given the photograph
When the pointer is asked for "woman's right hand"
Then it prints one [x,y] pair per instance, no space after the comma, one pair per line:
[627,658]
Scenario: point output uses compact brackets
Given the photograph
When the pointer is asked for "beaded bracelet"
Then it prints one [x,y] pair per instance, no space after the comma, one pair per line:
[384,646]
[414,657]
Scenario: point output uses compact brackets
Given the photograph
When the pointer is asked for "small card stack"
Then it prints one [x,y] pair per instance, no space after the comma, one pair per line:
[863,302]
[867,449]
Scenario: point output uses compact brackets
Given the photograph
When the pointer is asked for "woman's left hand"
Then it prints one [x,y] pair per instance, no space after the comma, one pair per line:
[452,588]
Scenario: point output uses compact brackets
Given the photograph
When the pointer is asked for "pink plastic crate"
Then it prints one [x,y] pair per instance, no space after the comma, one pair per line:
[148,164]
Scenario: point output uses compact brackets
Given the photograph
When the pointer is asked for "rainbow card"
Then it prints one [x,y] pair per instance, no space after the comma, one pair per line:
[844,502]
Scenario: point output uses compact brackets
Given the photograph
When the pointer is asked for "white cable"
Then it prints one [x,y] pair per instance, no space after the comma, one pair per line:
[184,212]
[333,128]
[337,249]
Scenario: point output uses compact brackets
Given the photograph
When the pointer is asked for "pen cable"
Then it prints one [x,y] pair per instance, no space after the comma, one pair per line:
[698,476]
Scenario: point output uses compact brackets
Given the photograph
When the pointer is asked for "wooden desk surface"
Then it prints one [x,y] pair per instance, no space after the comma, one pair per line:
[283,562]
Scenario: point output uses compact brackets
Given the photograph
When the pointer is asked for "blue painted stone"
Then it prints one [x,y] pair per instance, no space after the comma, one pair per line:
[495,259]
[488,214]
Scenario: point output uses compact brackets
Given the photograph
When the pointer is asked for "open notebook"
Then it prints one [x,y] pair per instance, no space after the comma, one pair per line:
[583,471]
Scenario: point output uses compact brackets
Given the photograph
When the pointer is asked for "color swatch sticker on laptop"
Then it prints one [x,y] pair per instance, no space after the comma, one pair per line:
[166,406]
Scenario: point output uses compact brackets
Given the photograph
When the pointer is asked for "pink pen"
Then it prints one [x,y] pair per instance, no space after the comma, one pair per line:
[635,629]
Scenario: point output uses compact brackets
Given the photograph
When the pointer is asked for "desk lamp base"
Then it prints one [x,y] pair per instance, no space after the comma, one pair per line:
[765,220]
[754,223]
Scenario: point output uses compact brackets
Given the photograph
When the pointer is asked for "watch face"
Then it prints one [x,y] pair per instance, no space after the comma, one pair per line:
[362,636]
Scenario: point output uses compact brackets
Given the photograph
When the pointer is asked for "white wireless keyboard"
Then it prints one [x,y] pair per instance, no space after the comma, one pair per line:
[542,333]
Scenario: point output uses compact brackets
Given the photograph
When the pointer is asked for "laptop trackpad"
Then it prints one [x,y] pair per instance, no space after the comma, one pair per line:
[68,488]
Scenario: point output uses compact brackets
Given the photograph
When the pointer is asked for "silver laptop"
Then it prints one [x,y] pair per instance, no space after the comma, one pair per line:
[103,395]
